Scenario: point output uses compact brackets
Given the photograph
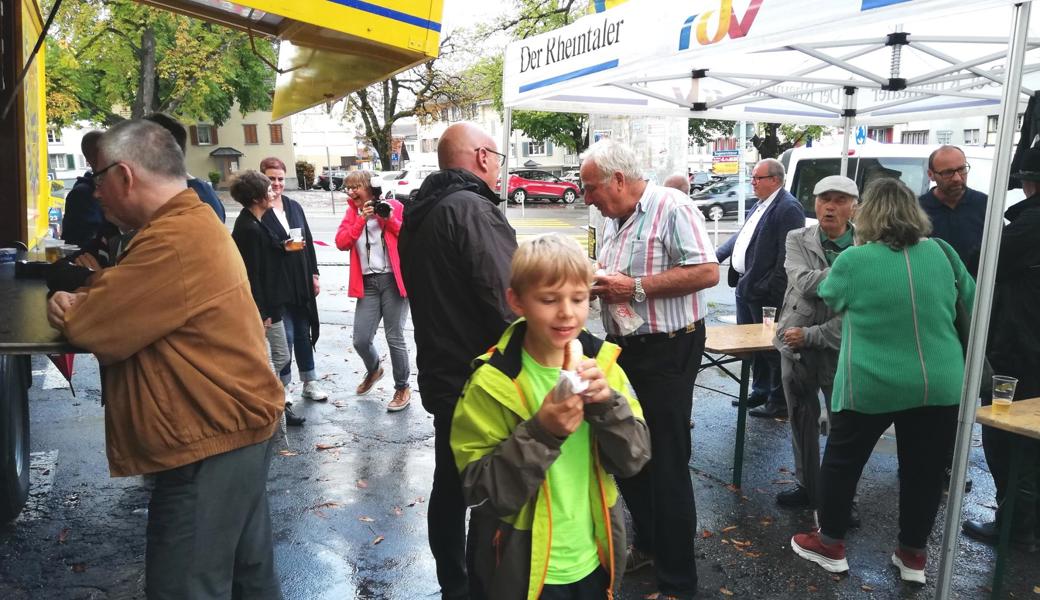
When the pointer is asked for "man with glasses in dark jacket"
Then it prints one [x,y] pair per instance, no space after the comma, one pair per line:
[455,247]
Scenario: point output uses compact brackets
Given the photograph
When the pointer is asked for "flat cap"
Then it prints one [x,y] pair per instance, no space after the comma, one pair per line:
[836,183]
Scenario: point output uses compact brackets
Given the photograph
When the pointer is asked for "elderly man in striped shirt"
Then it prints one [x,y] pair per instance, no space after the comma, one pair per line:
[657,259]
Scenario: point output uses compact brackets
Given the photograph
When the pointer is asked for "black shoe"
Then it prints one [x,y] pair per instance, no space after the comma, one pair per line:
[794,498]
[291,418]
[854,521]
[772,410]
[988,533]
[946,483]
[753,400]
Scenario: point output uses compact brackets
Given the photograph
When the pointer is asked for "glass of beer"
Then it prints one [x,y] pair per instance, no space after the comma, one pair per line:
[1003,393]
[295,242]
[769,318]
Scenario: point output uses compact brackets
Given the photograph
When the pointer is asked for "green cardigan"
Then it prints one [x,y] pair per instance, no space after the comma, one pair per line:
[899,346]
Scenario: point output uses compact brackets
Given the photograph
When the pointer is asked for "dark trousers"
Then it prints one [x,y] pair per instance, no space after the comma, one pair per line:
[997,445]
[923,437]
[766,381]
[446,519]
[209,530]
[803,409]
[592,587]
[660,497]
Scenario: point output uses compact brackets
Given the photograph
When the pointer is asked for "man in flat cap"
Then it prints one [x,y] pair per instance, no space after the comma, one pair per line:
[809,332]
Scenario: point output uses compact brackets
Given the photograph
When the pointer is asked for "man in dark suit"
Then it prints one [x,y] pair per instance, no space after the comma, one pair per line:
[756,269]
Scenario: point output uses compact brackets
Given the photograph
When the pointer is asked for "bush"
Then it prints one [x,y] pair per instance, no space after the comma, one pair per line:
[214,177]
[304,174]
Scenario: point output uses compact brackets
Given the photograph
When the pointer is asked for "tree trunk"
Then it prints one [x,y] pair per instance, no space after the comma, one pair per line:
[144,102]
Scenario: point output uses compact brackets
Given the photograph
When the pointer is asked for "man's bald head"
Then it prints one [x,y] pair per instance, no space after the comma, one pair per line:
[679,182]
[466,146]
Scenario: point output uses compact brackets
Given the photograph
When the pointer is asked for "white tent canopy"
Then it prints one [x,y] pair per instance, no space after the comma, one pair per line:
[824,62]
[786,61]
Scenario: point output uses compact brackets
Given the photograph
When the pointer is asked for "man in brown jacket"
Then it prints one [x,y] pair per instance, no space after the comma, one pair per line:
[188,394]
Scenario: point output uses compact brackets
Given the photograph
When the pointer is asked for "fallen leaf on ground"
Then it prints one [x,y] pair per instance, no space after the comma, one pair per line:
[760,491]
[397,511]
[724,541]
[750,554]
[418,500]
[741,544]
[63,536]
[325,446]
[866,588]
[784,482]
[706,534]
[766,521]
[836,577]
[366,519]
[378,539]
[325,505]
[79,567]
[784,470]
[361,483]
[812,588]
[287,453]
[732,487]
[725,592]
[730,528]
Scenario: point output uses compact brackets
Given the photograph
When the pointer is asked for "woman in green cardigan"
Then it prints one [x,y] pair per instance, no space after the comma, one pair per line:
[901,362]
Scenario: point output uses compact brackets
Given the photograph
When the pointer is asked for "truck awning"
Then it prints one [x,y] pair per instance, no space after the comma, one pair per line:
[329,48]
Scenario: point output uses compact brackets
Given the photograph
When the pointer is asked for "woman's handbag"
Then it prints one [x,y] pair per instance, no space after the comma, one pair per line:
[962,322]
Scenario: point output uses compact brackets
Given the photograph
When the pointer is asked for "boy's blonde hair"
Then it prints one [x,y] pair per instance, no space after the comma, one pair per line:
[549,259]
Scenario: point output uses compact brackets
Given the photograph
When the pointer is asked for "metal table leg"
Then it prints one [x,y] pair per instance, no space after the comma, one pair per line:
[738,449]
[1006,513]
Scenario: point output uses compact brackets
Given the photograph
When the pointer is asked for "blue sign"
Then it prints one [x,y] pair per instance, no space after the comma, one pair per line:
[394,156]
[861,135]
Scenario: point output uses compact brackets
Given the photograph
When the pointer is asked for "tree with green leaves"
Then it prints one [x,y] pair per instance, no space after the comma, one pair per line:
[107,60]
[777,139]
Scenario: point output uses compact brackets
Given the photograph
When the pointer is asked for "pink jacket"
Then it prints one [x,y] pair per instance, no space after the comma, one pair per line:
[352,227]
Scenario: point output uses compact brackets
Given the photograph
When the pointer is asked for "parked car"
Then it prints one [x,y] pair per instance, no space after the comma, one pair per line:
[406,186]
[573,176]
[337,179]
[699,181]
[720,200]
[530,184]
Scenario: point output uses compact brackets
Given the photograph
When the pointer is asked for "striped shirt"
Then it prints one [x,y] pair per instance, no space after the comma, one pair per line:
[665,231]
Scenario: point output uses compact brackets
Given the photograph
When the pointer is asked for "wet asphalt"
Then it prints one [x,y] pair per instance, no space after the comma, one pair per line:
[348,495]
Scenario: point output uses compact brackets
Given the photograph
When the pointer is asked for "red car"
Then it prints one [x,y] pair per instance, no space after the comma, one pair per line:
[531,184]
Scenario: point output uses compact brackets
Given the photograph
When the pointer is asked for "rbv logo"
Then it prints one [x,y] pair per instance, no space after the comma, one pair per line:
[725,21]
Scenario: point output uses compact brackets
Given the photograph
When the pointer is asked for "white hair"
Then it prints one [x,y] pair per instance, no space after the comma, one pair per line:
[612,157]
[774,168]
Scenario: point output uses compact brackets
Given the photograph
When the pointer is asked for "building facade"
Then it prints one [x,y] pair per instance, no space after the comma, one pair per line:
[239,144]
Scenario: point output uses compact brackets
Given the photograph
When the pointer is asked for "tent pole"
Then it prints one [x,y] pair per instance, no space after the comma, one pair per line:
[983,294]
[507,132]
[741,200]
[848,122]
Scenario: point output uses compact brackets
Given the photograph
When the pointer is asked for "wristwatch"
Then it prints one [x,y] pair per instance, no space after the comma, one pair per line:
[639,295]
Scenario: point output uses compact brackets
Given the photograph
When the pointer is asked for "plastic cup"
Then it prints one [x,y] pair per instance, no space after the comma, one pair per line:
[295,241]
[1003,393]
[769,317]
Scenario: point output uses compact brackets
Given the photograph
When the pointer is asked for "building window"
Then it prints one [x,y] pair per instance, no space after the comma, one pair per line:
[203,134]
[944,136]
[429,144]
[971,137]
[880,134]
[915,137]
[991,130]
[250,134]
[536,148]
[61,162]
[54,136]
[276,134]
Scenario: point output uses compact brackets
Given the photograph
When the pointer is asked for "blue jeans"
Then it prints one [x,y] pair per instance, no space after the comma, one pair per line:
[298,336]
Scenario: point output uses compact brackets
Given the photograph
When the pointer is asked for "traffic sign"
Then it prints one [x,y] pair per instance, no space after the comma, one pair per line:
[861,134]
[395,156]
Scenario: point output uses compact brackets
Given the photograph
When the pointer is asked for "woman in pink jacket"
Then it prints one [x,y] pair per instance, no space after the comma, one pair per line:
[369,231]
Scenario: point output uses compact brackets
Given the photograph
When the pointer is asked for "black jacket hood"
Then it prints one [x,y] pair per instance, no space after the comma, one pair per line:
[441,184]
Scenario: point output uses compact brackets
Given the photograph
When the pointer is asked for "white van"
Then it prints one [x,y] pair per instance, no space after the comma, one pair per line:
[909,162]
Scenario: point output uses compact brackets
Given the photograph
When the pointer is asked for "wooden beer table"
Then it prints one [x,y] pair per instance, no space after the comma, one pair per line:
[736,343]
[1023,420]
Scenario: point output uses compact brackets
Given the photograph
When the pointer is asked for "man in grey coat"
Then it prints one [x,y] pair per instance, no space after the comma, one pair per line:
[808,332]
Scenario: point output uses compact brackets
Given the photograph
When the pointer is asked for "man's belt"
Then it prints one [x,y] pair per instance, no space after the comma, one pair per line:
[653,338]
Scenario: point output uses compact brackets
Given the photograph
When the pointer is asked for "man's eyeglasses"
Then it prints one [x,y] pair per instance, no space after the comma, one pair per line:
[761,177]
[961,170]
[501,157]
[98,174]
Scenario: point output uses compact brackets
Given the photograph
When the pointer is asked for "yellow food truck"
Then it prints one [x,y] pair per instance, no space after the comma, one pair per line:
[327,49]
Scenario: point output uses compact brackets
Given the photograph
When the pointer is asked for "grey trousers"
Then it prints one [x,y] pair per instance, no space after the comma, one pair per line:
[383,302]
[279,347]
[209,530]
[801,389]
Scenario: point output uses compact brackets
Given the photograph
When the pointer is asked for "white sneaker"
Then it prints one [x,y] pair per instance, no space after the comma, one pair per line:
[311,391]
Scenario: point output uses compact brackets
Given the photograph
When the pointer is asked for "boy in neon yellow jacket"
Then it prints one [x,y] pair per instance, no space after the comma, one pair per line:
[536,466]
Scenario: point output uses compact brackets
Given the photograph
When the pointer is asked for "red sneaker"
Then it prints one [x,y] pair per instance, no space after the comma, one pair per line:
[829,556]
[910,564]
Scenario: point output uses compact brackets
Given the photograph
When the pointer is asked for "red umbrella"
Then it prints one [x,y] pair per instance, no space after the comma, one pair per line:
[64,364]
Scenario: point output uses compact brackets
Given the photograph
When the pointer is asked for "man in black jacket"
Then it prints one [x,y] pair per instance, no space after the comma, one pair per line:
[1014,349]
[455,247]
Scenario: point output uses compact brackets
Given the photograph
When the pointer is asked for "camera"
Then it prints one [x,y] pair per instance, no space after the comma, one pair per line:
[381,208]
